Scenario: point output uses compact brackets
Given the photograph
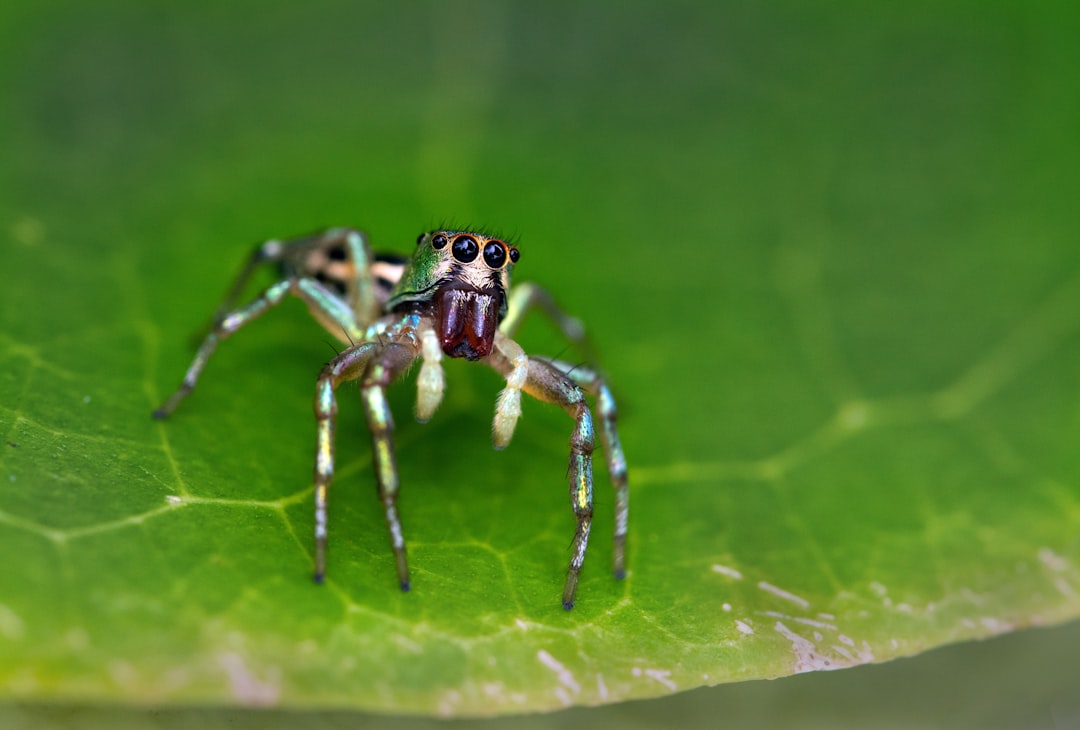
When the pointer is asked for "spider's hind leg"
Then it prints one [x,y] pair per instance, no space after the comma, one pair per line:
[329,271]
[595,385]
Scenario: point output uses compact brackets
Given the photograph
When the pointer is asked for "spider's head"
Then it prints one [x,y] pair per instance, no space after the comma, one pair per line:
[463,278]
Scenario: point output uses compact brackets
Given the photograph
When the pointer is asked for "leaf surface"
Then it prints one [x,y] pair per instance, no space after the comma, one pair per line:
[828,258]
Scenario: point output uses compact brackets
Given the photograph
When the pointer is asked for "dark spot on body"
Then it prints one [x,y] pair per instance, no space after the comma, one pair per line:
[337,286]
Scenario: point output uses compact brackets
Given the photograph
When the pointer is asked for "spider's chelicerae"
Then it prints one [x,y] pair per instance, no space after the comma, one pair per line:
[451,297]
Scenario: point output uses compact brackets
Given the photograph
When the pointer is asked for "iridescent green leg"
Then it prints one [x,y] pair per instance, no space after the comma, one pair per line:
[394,360]
[307,262]
[270,252]
[314,256]
[317,298]
[377,365]
[524,297]
[508,409]
[547,383]
[349,365]
[223,328]
[528,296]
[594,384]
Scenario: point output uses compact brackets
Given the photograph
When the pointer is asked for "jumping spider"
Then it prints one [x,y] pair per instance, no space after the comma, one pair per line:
[451,297]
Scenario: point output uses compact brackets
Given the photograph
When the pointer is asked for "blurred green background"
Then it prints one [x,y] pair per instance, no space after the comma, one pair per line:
[761,213]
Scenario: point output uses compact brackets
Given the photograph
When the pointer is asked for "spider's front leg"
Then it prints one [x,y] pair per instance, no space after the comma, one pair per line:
[544,381]
[377,365]
[524,298]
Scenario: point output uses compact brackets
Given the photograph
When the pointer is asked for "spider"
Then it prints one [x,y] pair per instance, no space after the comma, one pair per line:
[451,297]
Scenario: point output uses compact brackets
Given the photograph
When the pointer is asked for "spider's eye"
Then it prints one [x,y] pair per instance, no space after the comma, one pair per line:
[495,254]
[465,249]
[439,241]
[514,255]
[420,239]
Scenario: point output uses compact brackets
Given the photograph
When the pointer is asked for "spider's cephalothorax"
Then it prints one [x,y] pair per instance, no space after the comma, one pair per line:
[460,280]
[451,297]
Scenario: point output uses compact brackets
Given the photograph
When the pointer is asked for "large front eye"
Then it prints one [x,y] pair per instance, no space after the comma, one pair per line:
[439,241]
[495,254]
[465,249]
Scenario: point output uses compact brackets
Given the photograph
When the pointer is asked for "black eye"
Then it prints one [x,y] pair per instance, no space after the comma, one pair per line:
[420,239]
[494,254]
[514,255]
[439,241]
[465,249]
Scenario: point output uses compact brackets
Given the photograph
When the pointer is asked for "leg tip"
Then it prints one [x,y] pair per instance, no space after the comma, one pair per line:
[405,586]
[568,605]
[319,578]
[159,414]
[620,573]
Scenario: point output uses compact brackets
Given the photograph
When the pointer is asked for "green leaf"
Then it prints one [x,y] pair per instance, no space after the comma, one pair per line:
[827,255]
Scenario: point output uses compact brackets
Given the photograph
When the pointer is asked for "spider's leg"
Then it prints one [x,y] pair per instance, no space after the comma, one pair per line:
[524,297]
[595,385]
[318,299]
[330,271]
[223,327]
[394,359]
[349,365]
[377,365]
[547,383]
[339,258]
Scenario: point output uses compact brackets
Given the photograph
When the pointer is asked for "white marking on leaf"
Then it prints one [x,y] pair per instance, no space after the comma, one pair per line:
[564,675]
[809,658]
[662,676]
[842,652]
[816,624]
[1063,586]
[729,572]
[995,624]
[246,687]
[601,688]
[781,593]
[1052,560]
[447,702]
